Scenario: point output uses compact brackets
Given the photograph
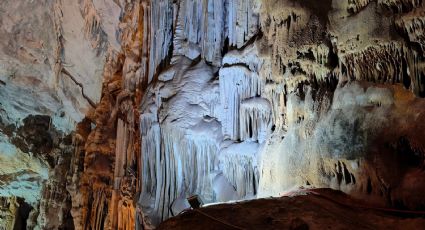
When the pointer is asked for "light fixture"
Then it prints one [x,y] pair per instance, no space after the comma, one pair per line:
[195,201]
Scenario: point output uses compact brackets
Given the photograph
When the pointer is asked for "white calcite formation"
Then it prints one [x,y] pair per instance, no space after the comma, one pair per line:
[179,141]
[255,119]
[237,83]
[113,112]
[238,162]
[287,102]
[204,28]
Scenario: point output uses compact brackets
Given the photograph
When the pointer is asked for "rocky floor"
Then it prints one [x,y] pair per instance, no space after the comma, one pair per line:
[312,209]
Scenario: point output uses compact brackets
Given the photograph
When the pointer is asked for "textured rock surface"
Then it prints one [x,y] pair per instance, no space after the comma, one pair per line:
[113,112]
[51,60]
[312,99]
[300,210]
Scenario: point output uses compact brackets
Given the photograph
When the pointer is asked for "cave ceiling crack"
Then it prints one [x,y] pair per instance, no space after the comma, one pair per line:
[67,73]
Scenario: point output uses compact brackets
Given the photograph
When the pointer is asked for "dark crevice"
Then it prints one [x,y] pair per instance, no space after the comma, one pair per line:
[306,55]
[287,21]
[421,85]
[347,174]
[22,215]
[319,8]
[333,59]
[250,133]
[338,172]
[406,77]
[226,47]
[369,186]
[251,41]
[407,155]
[244,65]
[254,185]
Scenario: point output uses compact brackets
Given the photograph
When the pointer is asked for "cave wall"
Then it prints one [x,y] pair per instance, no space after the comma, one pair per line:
[113,112]
[318,94]
[52,55]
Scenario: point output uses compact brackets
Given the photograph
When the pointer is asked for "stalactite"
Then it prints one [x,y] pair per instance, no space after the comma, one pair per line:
[243,21]
[93,28]
[275,94]
[355,6]
[236,84]
[126,216]
[97,216]
[179,167]
[203,31]
[387,63]
[239,165]
[413,26]
[255,118]
[200,29]
[158,20]
[399,6]
[178,155]
[151,146]
[196,91]
[103,189]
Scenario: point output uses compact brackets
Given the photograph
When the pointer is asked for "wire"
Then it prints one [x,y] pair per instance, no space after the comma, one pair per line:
[215,219]
[319,195]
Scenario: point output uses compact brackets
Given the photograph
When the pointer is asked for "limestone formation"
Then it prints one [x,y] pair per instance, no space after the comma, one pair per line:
[113,112]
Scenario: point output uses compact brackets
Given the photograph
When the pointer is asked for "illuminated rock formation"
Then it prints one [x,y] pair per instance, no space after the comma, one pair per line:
[113,112]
